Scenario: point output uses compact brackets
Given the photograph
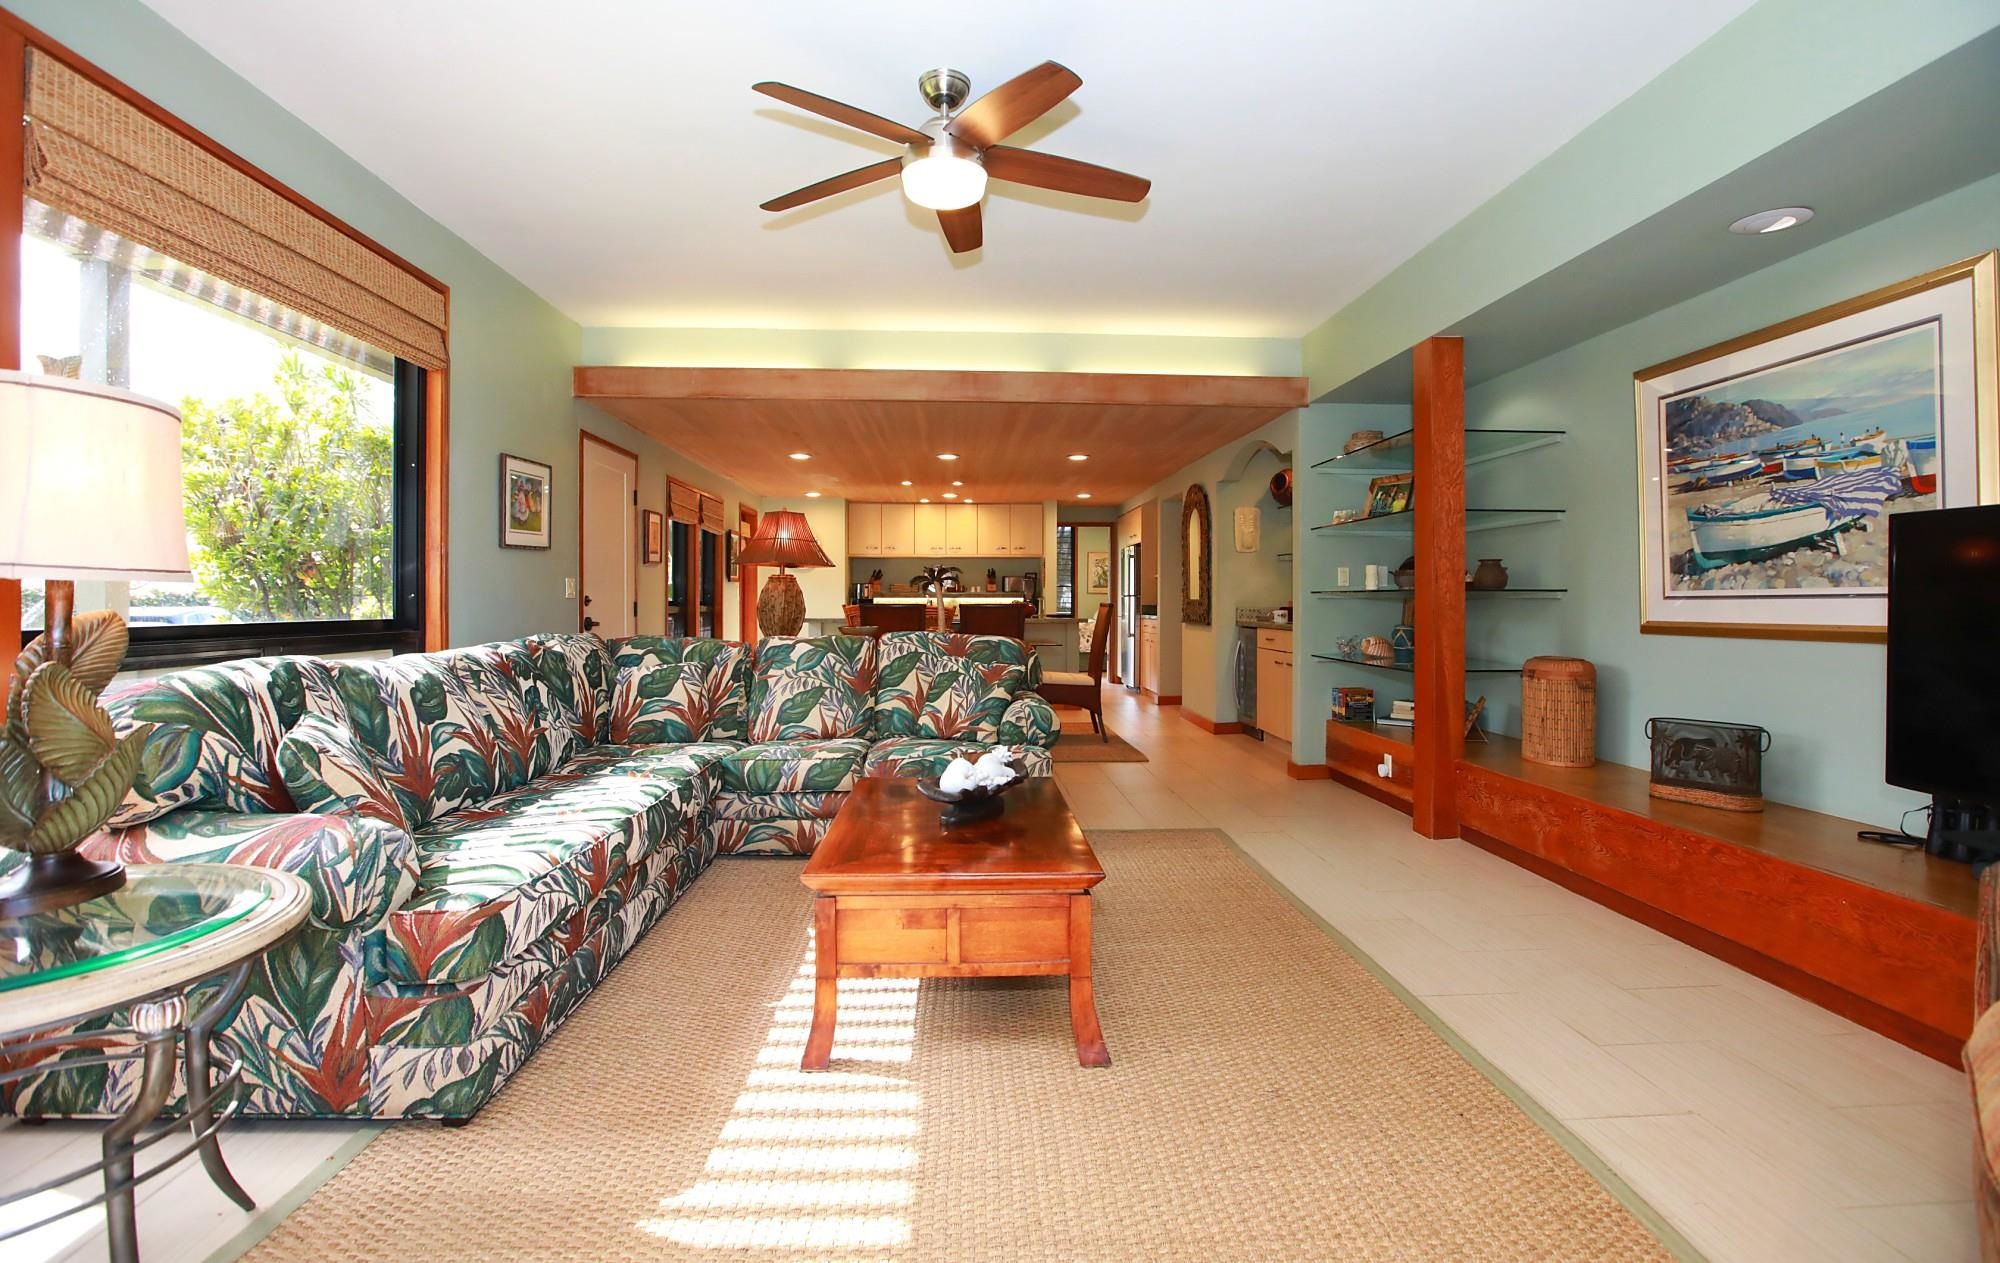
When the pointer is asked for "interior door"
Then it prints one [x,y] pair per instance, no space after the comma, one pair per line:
[746,588]
[607,507]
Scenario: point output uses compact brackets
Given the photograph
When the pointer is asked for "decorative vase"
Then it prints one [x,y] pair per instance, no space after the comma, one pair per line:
[1491,575]
[781,606]
[1406,574]
[1403,644]
[1281,487]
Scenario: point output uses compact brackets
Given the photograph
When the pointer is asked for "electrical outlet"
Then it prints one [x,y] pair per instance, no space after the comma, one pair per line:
[1388,766]
[1343,577]
[569,589]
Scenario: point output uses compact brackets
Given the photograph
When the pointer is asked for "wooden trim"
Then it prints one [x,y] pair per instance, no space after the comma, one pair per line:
[746,580]
[13,73]
[1371,787]
[1308,771]
[1167,699]
[856,385]
[437,507]
[1940,1045]
[1437,419]
[1206,724]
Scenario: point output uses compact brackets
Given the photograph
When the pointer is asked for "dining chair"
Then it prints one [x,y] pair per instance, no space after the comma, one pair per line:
[1081,688]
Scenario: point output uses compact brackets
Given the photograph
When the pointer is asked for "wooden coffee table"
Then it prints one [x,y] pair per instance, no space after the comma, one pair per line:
[900,895]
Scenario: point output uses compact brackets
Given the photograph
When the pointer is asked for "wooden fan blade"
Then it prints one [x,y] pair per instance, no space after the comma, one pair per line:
[962,228]
[839,112]
[1065,175]
[836,184]
[1014,104]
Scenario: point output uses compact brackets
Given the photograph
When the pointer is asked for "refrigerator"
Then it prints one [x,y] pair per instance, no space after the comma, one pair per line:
[1128,616]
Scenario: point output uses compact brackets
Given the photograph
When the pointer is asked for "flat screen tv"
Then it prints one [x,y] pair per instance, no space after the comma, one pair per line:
[1944,657]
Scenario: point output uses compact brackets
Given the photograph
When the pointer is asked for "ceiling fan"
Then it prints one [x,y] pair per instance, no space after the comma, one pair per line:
[947,160]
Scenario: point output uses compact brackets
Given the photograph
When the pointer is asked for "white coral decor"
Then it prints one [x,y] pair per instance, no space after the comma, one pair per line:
[993,770]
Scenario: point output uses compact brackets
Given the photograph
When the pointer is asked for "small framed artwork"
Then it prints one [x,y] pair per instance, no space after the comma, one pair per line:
[732,543]
[1390,493]
[524,502]
[1771,465]
[1097,572]
[652,537]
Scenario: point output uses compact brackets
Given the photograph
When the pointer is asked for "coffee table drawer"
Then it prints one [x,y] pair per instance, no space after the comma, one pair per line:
[894,936]
[1020,935]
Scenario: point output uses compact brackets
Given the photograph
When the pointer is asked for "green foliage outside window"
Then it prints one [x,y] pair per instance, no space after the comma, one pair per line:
[289,499]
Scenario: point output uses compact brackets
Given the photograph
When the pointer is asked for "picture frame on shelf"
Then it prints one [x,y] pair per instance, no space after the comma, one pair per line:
[525,511]
[652,537]
[1771,465]
[1390,494]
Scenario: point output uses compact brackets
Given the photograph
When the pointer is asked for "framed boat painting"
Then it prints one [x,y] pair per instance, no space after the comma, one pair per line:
[1771,466]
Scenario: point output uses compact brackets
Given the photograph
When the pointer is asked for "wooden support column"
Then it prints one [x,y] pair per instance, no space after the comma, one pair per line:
[1438,420]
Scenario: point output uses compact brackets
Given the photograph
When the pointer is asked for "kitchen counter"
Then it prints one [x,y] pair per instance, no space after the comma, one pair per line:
[1271,623]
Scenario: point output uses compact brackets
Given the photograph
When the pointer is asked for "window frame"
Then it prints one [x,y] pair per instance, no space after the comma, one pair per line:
[1065,608]
[422,423]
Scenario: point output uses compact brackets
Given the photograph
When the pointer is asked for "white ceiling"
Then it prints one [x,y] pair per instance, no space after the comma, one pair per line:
[611,154]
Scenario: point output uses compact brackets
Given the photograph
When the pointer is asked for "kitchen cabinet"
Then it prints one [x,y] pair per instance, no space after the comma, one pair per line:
[1149,653]
[864,530]
[899,530]
[1025,530]
[961,530]
[994,529]
[1274,682]
[930,541]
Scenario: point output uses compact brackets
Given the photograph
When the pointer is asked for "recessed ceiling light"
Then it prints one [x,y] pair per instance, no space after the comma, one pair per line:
[1083,495]
[1079,455]
[908,483]
[923,499]
[812,495]
[951,495]
[800,455]
[947,455]
[956,483]
[1775,220]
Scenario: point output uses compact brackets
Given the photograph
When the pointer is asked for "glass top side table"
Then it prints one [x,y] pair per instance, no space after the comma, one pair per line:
[174,947]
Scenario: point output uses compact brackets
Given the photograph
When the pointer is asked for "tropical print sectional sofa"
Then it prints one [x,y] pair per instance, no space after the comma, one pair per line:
[487,831]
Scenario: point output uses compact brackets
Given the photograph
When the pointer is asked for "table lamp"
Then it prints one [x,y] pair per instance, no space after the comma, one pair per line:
[783,539]
[90,488]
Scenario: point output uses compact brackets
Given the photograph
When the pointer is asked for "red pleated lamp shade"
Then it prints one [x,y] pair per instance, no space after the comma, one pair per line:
[783,539]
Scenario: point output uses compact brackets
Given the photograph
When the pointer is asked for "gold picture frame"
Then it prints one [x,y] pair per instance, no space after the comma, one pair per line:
[1780,551]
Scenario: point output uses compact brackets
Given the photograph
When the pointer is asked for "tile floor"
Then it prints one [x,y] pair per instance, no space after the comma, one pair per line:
[1762,1127]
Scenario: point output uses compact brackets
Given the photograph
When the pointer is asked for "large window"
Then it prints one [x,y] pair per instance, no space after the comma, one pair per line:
[301,449]
[1065,572]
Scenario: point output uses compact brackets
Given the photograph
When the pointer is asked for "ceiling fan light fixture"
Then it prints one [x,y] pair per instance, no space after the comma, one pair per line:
[945,174]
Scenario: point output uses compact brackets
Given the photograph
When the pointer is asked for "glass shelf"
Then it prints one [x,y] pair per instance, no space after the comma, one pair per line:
[1393,454]
[1472,667]
[1283,556]
[1403,592]
[1402,524]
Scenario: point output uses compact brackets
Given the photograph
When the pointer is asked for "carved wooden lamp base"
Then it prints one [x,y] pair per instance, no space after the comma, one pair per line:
[781,606]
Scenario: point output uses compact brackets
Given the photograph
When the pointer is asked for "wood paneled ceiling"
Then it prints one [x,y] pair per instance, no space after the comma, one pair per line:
[868,430]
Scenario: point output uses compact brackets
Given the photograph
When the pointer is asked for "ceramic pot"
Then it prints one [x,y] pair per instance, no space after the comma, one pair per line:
[1491,575]
[1403,644]
[1281,487]
[1406,574]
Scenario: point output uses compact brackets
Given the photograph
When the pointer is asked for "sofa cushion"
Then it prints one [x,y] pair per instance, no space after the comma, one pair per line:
[216,730]
[793,767]
[927,756]
[947,686]
[415,714]
[810,690]
[677,690]
[326,771]
[493,879]
[574,675]
[771,824]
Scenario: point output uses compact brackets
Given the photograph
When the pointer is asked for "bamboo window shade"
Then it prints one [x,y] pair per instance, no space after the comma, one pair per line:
[683,502]
[98,157]
[711,515]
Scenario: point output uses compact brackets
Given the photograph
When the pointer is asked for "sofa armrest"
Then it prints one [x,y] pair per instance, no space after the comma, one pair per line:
[359,870]
[1029,720]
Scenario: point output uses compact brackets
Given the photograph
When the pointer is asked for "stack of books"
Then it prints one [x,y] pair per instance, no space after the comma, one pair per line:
[1402,714]
[1353,705]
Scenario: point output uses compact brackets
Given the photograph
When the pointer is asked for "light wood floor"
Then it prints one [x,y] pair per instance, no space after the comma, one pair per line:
[1763,1127]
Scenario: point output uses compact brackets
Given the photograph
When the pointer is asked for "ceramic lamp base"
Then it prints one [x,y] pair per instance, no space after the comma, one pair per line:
[781,606]
[46,882]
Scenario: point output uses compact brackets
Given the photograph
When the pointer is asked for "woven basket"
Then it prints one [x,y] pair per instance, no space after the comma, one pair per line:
[1559,712]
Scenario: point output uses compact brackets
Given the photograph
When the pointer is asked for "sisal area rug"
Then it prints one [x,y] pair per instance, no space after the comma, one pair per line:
[1268,1099]
[1081,745]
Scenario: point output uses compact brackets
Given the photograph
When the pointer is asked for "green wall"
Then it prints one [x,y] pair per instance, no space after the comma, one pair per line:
[511,352]
[1823,702]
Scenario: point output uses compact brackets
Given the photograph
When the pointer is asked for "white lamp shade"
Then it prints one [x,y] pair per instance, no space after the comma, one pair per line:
[90,483]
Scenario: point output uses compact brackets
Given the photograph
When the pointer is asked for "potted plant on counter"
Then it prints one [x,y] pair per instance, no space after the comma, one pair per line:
[934,582]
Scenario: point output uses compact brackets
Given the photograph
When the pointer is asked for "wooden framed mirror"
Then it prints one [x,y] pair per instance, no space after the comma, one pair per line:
[1197,534]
